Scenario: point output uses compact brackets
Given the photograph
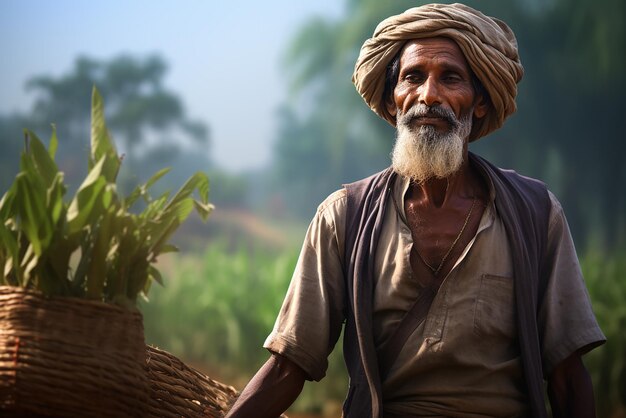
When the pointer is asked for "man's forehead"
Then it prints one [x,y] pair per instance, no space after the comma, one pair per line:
[438,47]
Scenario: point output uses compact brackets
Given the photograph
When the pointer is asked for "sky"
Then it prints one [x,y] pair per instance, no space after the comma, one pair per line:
[224,57]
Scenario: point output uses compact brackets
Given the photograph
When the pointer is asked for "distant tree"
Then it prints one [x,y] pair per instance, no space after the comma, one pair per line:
[147,120]
[328,136]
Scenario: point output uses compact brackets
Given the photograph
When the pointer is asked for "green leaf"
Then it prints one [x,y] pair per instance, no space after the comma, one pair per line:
[43,162]
[28,264]
[127,246]
[9,244]
[199,180]
[145,290]
[142,190]
[203,188]
[88,202]
[58,258]
[6,203]
[54,198]
[139,273]
[155,207]
[102,146]
[80,275]
[161,234]
[181,210]
[155,274]
[34,218]
[97,269]
[203,209]
[157,176]
[54,142]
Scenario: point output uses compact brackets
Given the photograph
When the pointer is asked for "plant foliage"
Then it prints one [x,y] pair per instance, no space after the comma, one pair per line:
[93,246]
[219,307]
[605,279]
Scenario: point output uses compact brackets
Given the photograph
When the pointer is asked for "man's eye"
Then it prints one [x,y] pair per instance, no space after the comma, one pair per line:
[452,78]
[413,78]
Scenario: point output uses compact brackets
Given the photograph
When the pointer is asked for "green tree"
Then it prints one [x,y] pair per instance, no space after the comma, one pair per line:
[147,120]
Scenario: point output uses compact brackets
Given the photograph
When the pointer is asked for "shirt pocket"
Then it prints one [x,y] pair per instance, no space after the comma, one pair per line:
[494,312]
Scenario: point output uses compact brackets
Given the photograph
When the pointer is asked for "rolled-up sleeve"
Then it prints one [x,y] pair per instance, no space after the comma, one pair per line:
[310,319]
[566,319]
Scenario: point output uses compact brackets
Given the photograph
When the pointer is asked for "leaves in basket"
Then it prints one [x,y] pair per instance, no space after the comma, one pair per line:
[93,246]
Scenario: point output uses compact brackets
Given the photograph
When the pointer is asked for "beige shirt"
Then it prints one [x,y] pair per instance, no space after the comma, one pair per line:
[463,360]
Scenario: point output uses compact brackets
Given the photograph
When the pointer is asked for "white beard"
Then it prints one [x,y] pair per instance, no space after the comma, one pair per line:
[422,153]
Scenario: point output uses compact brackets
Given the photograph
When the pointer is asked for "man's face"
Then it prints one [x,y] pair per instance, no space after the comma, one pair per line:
[434,72]
[434,104]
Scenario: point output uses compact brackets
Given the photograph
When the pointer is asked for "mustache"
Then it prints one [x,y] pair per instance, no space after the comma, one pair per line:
[436,111]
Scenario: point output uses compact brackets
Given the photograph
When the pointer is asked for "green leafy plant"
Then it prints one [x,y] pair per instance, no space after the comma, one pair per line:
[604,273]
[93,246]
[218,308]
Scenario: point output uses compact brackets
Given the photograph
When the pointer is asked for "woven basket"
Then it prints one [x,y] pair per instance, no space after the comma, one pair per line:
[177,390]
[70,357]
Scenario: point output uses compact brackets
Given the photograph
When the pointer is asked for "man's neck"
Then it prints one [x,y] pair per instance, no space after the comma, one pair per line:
[438,192]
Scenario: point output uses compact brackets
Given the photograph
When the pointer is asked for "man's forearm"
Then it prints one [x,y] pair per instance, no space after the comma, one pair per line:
[570,390]
[271,391]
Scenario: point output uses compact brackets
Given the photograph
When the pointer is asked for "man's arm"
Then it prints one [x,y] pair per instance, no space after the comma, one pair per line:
[570,389]
[271,391]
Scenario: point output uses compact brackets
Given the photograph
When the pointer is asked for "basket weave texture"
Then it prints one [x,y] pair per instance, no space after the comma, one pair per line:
[70,357]
[177,390]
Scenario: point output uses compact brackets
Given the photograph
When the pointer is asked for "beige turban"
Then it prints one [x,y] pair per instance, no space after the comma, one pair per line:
[488,44]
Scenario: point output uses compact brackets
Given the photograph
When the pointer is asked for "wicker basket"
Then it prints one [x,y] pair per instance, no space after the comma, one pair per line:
[70,357]
[177,390]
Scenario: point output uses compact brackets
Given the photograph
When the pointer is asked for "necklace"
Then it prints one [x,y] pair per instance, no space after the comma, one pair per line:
[436,271]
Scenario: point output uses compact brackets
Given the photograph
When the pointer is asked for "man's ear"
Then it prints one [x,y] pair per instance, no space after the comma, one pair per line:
[481,107]
[391,107]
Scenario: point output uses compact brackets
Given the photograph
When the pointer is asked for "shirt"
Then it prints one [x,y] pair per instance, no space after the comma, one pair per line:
[463,360]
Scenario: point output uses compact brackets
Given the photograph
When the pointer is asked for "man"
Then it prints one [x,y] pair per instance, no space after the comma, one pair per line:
[458,282]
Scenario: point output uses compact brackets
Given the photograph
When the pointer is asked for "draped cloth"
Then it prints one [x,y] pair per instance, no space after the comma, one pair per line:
[524,206]
[488,44]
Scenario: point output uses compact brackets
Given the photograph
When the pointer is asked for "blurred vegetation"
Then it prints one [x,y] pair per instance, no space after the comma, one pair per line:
[607,364]
[566,131]
[147,121]
[217,308]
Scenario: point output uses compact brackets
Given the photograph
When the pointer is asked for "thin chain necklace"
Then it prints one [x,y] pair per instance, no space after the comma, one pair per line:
[436,271]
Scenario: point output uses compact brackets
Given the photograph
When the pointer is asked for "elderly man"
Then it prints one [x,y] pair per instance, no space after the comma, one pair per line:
[458,282]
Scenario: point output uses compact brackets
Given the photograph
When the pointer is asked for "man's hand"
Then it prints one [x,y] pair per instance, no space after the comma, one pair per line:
[271,391]
[570,389]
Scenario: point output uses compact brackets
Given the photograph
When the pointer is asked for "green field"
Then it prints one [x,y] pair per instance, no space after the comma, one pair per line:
[217,308]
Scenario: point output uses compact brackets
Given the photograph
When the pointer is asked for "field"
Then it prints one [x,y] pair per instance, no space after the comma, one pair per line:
[217,308]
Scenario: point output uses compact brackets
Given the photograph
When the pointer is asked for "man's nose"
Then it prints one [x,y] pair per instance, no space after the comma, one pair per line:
[428,92]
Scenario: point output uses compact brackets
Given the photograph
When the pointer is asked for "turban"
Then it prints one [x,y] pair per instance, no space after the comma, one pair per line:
[488,44]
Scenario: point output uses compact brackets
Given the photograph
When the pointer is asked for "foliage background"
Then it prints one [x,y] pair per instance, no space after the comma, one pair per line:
[223,292]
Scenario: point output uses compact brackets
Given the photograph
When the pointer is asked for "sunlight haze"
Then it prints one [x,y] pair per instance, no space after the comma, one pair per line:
[223,57]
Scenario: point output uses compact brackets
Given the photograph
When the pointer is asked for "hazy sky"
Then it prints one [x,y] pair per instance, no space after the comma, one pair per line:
[223,56]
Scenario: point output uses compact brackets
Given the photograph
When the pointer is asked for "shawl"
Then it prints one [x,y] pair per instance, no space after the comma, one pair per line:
[524,207]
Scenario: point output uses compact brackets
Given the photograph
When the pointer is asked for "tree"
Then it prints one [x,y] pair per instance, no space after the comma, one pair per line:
[142,114]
